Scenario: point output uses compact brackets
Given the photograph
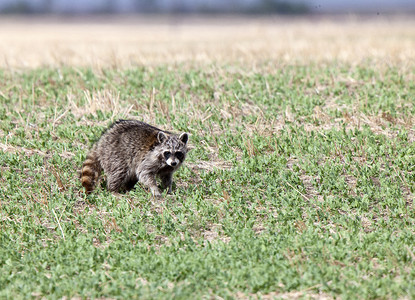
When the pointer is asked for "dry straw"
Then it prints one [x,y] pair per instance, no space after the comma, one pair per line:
[128,42]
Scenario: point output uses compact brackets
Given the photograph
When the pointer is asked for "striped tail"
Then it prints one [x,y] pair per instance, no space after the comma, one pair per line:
[91,170]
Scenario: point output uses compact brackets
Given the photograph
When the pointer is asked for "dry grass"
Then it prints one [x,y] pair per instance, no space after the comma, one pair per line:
[117,43]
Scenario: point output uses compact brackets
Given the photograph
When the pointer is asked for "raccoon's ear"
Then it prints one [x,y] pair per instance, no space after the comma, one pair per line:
[184,137]
[161,137]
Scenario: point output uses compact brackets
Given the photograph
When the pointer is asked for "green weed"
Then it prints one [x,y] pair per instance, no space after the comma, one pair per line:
[300,182]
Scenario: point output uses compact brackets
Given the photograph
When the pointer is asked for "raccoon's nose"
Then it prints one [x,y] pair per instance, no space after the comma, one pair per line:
[173,163]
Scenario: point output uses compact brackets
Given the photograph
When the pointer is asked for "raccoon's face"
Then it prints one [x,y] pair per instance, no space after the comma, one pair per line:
[173,148]
[173,159]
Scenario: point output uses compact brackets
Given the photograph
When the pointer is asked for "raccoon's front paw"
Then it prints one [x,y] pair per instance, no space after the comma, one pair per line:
[156,192]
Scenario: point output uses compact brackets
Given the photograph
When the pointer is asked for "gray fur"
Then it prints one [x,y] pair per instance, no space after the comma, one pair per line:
[130,151]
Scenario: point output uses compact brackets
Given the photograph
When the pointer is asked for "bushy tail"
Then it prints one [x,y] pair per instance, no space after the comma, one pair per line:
[91,170]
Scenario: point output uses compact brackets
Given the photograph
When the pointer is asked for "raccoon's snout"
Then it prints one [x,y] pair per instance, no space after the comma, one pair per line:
[172,162]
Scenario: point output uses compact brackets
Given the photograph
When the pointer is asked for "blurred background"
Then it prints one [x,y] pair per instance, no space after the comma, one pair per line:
[128,33]
[205,6]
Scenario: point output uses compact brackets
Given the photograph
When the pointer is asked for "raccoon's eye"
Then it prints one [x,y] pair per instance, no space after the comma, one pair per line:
[166,154]
[179,155]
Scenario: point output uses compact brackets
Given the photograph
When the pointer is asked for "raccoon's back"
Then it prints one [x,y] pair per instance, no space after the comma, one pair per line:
[123,126]
[126,141]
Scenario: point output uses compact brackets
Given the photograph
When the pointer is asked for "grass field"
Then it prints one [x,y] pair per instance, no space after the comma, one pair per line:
[300,180]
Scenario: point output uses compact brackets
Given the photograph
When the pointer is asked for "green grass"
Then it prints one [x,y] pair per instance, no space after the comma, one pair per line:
[300,182]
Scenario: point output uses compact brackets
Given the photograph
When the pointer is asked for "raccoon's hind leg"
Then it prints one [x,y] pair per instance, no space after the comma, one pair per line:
[115,181]
[120,181]
[90,172]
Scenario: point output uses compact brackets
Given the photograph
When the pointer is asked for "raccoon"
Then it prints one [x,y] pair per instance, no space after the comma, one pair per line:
[131,151]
